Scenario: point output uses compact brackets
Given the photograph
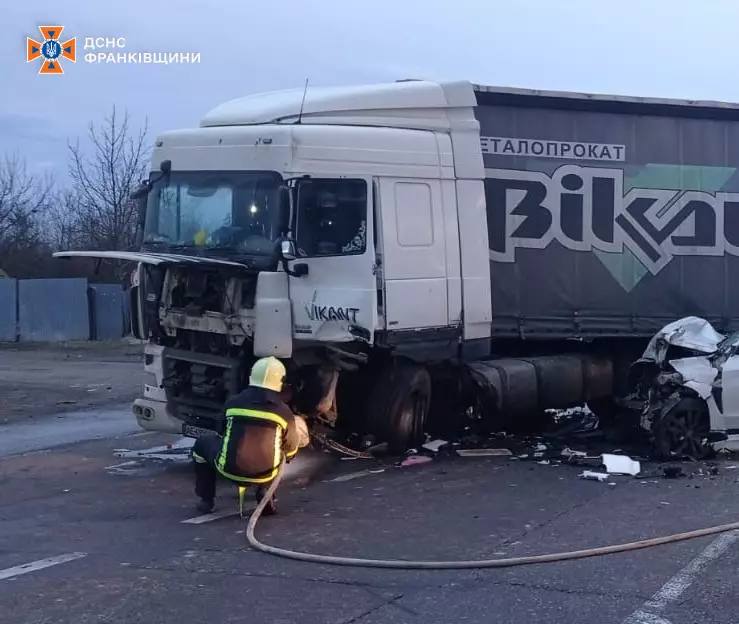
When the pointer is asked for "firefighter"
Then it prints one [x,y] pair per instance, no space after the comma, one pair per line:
[260,428]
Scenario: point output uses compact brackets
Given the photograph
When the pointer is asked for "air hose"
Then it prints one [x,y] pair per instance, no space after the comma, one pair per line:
[461,564]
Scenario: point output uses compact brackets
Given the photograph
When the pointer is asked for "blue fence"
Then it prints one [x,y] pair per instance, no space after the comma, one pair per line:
[8,309]
[106,308]
[52,310]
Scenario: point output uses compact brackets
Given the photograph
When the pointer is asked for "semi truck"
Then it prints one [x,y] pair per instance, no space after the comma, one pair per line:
[415,249]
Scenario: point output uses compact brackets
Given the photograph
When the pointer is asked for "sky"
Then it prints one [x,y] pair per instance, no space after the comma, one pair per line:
[662,48]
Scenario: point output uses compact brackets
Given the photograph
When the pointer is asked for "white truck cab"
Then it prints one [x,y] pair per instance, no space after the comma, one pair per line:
[333,228]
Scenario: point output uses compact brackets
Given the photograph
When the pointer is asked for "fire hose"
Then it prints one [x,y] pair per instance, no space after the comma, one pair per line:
[461,564]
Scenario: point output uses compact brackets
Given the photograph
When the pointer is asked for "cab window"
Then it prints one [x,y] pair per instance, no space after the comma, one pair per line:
[331,217]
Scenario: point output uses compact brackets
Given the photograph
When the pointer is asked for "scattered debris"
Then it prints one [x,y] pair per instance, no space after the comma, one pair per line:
[413,460]
[568,453]
[485,452]
[594,476]
[672,472]
[621,464]
[434,445]
[176,452]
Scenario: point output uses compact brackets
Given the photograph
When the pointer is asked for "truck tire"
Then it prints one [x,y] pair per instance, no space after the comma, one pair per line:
[683,431]
[399,404]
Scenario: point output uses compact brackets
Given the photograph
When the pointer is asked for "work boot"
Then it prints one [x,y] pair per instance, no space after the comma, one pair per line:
[271,507]
[205,505]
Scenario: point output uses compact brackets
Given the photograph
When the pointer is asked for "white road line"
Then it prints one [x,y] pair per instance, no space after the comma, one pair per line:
[122,465]
[354,475]
[674,588]
[39,565]
[215,516]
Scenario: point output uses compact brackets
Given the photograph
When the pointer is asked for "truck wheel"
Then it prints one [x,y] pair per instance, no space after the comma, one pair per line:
[683,431]
[398,405]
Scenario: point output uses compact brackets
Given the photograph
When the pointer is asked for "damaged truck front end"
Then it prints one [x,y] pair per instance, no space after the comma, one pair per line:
[199,321]
[678,384]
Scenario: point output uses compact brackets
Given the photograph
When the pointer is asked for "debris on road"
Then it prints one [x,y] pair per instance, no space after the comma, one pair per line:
[568,453]
[621,464]
[594,476]
[672,472]
[177,452]
[414,460]
[434,445]
[485,452]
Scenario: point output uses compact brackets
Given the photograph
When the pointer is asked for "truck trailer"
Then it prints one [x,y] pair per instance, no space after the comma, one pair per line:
[494,249]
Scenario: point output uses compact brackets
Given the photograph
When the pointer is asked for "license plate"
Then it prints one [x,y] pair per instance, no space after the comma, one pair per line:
[194,432]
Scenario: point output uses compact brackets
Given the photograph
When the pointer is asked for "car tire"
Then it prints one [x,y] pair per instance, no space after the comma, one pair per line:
[683,431]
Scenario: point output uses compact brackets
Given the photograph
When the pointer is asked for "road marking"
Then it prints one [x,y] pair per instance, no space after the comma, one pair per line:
[39,565]
[674,588]
[117,467]
[354,475]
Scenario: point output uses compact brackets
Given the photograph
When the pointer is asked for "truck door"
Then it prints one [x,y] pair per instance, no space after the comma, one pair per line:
[336,300]
[413,253]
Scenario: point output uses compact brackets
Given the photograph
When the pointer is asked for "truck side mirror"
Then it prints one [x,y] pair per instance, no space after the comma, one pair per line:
[287,249]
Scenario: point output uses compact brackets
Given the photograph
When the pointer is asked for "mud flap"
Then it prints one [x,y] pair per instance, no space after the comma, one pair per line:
[273,324]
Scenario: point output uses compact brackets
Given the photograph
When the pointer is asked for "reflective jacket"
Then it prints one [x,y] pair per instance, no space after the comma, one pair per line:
[260,428]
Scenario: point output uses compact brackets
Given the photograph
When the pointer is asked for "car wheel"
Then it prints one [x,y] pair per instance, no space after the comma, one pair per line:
[683,431]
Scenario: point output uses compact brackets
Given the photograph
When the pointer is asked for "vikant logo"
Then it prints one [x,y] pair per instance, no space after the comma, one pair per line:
[595,209]
[51,50]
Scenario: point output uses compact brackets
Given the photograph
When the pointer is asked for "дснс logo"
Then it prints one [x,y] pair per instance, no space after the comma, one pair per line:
[51,50]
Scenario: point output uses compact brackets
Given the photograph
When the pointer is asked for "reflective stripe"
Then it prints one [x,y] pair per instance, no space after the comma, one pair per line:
[250,413]
[278,449]
[292,454]
[266,479]
[224,447]
[199,459]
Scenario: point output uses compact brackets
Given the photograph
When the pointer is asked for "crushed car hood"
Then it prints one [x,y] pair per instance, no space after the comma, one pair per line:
[149,258]
[691,332]
[698,374]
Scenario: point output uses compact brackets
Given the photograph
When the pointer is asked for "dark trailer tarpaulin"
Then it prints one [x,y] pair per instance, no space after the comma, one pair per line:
[609,216]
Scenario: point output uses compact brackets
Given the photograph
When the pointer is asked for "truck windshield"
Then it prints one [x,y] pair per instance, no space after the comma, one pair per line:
[231,211]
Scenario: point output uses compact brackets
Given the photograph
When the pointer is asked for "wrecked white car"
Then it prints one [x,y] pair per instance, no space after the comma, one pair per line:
[687,382]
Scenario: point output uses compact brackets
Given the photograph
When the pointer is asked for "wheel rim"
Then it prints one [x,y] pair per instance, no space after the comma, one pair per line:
[684,432]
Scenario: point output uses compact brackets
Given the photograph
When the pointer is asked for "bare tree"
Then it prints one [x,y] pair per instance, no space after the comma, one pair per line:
[103,176]
[24,199]
[61,221]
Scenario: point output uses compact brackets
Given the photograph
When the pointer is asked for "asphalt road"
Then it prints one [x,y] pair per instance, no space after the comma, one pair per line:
[102,529]
[42,379]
